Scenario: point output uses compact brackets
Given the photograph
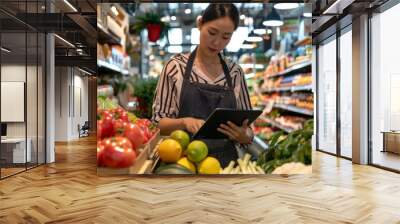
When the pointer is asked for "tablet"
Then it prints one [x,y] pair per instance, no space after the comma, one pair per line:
[222,116]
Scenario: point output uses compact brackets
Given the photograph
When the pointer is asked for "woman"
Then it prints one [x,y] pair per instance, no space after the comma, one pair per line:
[192,86]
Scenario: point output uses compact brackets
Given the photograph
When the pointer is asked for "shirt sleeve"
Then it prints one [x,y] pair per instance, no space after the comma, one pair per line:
[244,99]
[165,99]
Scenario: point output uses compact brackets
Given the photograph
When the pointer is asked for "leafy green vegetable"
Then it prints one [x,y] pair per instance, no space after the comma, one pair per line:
[144,90]
[295,147]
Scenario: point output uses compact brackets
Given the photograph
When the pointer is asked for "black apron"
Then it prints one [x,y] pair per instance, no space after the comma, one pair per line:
[198,100]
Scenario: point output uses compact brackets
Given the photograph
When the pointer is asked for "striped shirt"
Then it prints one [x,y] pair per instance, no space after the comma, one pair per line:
[168,91]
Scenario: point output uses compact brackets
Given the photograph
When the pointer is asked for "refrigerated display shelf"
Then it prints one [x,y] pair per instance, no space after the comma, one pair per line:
[293,69]
[112,67]
[294,109]
[290,88]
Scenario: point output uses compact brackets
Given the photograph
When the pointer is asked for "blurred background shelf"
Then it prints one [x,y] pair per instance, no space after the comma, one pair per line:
[111,67]
[276,124]
[294,109]
[301,67]
[290,88]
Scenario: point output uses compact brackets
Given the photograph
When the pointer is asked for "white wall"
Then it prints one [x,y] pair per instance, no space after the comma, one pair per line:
[71,93]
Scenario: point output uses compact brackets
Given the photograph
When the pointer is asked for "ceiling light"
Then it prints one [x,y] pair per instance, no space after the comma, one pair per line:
[70,5]
[114,10]
[284,6]
[173,18]
[188,11]
[165,19]
[273,19]
[5,50]
[307,14]
[65,41]
[260,31]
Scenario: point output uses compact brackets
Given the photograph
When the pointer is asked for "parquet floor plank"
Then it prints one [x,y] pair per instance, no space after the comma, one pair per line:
[69,191]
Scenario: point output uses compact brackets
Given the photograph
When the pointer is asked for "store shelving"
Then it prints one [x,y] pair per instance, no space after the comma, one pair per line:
[289,88]
[294,109]
[104,36]
[112,67]
[303,66]
[276,124]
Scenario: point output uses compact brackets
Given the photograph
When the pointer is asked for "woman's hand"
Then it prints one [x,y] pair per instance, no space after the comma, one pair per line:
[242,134]
[192,124]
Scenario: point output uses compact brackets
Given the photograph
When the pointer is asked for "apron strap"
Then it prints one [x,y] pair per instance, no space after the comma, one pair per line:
[189,67]
[226,71]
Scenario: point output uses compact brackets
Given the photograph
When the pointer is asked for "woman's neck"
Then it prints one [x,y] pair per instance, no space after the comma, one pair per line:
[205,58]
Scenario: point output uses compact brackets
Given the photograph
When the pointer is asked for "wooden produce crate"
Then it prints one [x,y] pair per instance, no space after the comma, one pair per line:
[143,163]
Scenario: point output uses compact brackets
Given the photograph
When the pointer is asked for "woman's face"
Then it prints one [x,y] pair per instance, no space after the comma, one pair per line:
[215,35]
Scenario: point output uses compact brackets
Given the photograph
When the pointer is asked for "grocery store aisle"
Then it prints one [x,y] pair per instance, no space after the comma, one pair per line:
[70,191]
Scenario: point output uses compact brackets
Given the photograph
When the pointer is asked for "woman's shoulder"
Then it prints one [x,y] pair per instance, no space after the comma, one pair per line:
[180,58]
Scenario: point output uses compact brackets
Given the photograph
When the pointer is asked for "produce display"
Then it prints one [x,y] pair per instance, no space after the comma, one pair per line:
[262,129]
[179,155]
[243,166]
[295,147]
[120,134]
[284,62]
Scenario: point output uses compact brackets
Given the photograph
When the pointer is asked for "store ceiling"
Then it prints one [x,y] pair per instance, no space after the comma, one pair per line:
[326,14]
[72,20]
[182,16]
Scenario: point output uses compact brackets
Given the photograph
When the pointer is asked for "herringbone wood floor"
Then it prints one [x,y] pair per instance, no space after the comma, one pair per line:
[69,191]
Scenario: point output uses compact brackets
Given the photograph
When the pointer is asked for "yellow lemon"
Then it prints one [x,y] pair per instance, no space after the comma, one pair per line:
[209,165]
[197,151]
[186,163]
[169,151]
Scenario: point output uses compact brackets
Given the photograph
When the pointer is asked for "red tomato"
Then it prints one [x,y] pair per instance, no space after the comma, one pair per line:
[102,113]
[118,152]
[134,134]
[100,153]
[107,127]
[119,126]
[146,127]
[120,113]
[144,123]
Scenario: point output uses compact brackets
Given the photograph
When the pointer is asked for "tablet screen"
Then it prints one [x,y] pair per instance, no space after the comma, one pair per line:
[222,116]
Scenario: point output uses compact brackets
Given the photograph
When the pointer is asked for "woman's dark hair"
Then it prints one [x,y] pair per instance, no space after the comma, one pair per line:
[216,11]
